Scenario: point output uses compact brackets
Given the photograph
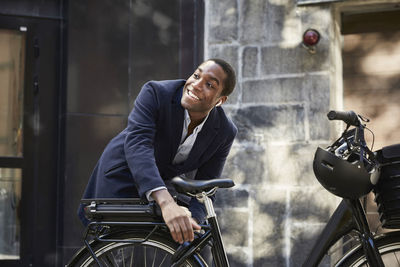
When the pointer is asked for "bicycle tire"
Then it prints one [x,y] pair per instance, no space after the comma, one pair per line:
[388,245]
[155,251]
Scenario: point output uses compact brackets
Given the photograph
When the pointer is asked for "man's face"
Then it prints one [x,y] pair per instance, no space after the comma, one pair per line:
[203,89]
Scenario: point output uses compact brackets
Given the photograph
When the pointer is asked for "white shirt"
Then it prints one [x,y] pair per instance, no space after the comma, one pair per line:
[185,146]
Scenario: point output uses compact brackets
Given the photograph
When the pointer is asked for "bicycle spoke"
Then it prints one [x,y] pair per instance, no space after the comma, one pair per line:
[131,263]
[163,260]
[145,258]
[114,260]
[123,258]
[105,262]
[154,257]
[397,259]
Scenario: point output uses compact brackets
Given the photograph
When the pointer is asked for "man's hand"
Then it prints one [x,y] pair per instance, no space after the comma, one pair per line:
[177,218]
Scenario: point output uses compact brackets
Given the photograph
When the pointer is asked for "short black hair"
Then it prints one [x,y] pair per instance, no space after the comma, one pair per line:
[230,80]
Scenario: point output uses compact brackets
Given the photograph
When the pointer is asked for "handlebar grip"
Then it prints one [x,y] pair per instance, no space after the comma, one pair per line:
[349,117]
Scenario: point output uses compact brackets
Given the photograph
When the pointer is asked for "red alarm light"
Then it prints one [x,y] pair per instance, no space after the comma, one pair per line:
[311,37]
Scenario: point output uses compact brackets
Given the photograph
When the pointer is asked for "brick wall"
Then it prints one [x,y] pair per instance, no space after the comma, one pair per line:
[277,208]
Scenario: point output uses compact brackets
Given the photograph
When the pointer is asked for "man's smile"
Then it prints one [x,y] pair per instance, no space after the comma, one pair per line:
[191,94]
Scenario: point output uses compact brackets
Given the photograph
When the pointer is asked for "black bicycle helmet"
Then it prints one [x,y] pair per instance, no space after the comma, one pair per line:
[346,178]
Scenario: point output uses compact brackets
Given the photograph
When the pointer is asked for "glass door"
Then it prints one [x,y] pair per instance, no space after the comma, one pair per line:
[12,69]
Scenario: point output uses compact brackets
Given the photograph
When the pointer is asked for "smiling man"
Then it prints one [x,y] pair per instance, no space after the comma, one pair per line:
[177,128]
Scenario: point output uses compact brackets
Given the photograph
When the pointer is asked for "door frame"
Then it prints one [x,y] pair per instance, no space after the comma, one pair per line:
[335,35]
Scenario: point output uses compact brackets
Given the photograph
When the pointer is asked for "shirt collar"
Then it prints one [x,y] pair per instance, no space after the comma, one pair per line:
[187,121]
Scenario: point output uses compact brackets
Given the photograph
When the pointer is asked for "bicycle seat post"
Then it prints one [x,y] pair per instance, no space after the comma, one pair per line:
[203,198]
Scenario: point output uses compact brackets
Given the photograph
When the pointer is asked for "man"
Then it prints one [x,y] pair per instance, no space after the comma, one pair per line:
[176,128]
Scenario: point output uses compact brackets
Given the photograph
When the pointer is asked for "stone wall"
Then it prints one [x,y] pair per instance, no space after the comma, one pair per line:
[276,210]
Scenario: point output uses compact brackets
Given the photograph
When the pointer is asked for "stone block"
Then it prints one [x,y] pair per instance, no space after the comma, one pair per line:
[297,59]
[271,123]
[278,90]
[253,26]
[302,240]
[250,62]
[283,22]
[280,60]
[229,53]
[237,198]
[318,17]
[223,21]
[277,260]
[268,22]
[319,123]
[246,165]
[268,227]
[312,205]
[238,257]
[318,89]
[234,226]
[291,164]
[234,97]
[320,60]
[229,110]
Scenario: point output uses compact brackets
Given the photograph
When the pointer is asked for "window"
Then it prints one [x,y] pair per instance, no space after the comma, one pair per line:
[12,68]
[12,58]
[10,196]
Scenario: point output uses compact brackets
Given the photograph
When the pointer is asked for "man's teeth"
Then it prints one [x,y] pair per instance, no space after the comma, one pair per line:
[192,95]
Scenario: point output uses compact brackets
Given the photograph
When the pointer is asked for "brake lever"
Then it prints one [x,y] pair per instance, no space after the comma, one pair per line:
[364,119]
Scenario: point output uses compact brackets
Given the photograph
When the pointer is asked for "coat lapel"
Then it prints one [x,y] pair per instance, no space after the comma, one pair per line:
[176,122]
[204,137]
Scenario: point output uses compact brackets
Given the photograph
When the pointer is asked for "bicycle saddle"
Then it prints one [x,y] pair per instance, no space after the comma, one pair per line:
[196,186]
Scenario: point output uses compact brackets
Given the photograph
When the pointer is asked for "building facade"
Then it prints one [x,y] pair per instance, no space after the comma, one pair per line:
[284,93]
[70,71]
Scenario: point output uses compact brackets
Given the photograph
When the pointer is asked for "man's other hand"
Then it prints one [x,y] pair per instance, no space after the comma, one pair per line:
[177,218]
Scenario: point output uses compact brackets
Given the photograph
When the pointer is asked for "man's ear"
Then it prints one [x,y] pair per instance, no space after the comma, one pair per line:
[222,100]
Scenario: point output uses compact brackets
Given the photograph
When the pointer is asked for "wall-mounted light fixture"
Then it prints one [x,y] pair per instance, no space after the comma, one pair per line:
[311,38]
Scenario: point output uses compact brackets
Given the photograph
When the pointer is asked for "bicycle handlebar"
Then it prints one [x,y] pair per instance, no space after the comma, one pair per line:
[349,117]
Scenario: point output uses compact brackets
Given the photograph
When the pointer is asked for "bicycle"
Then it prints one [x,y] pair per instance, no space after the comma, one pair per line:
[365,171]
[131,232]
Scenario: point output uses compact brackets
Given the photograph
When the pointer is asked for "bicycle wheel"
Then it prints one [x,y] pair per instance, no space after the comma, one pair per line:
[389,247]
[155,251]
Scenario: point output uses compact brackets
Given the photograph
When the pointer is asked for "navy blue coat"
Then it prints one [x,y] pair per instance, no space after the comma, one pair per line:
[140,157]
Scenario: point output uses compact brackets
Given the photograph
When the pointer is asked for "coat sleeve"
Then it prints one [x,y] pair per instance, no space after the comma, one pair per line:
[139,140]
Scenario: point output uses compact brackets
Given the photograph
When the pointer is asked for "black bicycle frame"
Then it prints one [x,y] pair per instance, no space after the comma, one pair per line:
[218,250]
[349,216]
